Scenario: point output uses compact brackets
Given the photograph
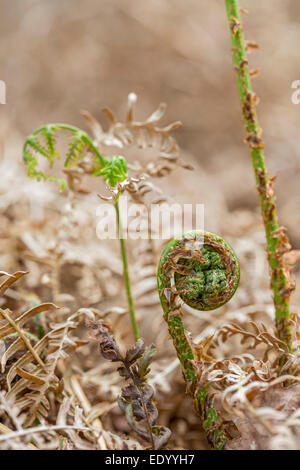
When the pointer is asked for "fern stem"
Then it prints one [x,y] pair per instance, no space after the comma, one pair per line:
[113,170]
[201,270]
[126,273]
[276,239]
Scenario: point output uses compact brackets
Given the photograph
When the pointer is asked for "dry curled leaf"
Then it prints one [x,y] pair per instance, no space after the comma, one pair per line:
[136,399]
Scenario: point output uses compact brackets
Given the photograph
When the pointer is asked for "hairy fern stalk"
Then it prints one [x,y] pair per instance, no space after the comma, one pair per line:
[276,238]
[42,142]
[199,269]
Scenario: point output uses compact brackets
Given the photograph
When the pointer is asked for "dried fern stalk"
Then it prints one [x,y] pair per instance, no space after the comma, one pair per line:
[277,241]
[201,270]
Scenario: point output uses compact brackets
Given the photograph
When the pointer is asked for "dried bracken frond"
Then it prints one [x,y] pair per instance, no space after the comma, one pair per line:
[31,376]
[259,335]
[115,442]
[44,436]
[142,135]
[248,388]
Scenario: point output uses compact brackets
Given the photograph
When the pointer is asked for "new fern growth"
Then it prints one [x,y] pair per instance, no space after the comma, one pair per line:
[199,269]
[42,142]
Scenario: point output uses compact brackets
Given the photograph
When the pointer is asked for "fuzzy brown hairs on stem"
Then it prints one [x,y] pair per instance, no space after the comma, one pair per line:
[278,245]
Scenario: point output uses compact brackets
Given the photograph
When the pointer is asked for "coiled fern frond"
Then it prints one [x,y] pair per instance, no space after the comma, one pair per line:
[201,270]
[42,142]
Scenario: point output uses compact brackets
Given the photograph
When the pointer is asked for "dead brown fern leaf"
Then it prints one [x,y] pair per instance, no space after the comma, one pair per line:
[142,135]
[32,375]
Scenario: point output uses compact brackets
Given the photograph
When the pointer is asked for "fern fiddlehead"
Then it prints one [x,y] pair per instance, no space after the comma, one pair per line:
[201,270]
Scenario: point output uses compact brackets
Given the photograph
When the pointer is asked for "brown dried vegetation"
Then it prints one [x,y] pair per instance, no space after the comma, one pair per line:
[57,392]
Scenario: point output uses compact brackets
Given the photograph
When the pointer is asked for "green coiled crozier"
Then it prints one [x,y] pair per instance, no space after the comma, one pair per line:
[199,269]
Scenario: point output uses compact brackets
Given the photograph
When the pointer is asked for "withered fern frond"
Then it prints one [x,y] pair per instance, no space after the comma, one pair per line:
[136,399]
[29,363]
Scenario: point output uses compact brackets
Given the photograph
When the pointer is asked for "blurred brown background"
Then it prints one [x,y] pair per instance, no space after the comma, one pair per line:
[61,56]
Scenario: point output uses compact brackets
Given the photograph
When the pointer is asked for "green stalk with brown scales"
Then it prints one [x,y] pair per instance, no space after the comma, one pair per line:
[201,270]
[277,241]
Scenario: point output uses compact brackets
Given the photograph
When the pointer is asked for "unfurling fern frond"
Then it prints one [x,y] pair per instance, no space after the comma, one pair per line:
[76,148]
[49,133]
[34,143]
[114,170]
